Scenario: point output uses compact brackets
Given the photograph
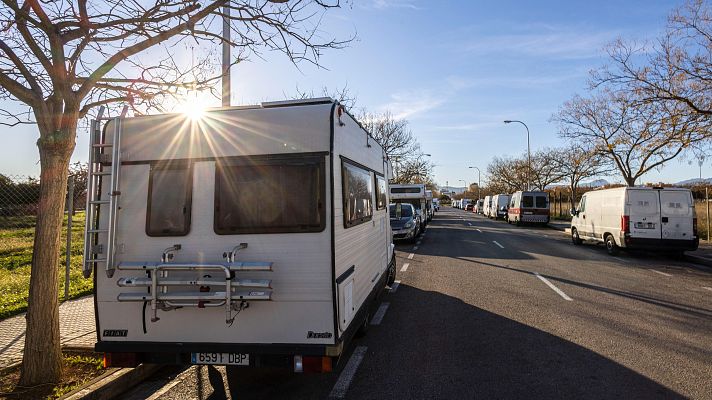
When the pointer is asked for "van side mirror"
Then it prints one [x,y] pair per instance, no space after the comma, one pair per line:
[574,212]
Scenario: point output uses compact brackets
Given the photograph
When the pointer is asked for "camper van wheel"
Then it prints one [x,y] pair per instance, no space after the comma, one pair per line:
[391,274]
[611,245]
[575,236]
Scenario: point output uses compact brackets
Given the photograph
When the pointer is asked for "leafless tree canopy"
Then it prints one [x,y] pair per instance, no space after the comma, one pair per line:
[578,161]
[63,56]
[678,67]
[635,134]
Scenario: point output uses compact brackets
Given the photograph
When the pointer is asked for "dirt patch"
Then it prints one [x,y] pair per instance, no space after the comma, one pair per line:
[77,369]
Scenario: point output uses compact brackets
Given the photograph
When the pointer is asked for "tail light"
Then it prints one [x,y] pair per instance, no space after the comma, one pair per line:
[625,223]
[312,364]
[121,360]
[694,226]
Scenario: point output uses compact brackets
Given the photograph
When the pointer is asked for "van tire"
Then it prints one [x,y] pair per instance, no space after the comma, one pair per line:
[575,237]
[391,274]
[611,245]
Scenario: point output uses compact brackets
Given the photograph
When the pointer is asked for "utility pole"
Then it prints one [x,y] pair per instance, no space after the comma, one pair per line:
[226,56]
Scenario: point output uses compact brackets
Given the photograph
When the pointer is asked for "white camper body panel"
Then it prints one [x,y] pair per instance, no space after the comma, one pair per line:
[656,218]
[305,265]
[414,194]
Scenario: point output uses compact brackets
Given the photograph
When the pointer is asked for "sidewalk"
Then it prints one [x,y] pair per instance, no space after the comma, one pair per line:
[76,326]
[559,225]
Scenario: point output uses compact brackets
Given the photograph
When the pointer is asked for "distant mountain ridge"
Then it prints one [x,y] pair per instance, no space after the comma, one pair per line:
[695,181]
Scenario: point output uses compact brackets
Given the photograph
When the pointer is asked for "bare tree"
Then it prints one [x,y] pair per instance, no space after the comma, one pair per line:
[636,135]
[578,162]
[507,174]
[415,169]
[678,67]
[392,134]
[342,95]
[60,59]
[546,168]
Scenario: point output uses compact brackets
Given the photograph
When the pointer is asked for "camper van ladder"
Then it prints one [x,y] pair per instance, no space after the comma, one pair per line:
[102,163]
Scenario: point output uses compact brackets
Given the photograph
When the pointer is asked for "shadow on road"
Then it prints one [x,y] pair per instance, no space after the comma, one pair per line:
[431,345]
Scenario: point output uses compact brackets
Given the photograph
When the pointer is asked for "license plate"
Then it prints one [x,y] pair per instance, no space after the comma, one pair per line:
[220,358]
[644,225]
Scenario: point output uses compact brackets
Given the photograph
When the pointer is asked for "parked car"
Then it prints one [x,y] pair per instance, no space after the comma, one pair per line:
[405,222]
[637,218]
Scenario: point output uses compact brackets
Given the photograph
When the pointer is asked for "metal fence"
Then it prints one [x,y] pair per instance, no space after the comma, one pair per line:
[19,198]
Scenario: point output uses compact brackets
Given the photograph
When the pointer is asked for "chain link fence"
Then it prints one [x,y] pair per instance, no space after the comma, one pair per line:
[19,198]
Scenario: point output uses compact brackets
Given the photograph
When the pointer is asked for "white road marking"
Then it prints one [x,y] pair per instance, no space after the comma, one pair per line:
[708,288]
[394,287]
[621,259]
[415,248]
[469,224]
[405,267]
[500,246]
[378,316]
[554,288]
[410,257]
[478,230]
[661,273]
[347,375]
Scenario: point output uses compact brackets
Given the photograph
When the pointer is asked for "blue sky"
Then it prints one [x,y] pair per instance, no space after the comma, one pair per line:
[454,69]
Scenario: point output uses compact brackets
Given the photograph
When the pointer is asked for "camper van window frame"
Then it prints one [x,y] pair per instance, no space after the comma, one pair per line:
[188,206]
[349,223]
[316,159]
[377,179]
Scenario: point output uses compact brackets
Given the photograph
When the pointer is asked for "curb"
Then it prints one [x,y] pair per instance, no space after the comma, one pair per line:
[704,261]
[113,383]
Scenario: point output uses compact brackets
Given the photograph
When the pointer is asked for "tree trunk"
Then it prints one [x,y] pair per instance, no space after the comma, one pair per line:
[629,181]
[42,358]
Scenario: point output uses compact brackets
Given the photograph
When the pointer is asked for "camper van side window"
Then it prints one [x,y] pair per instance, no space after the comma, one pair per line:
[357,192]
[381,201]
[170,189]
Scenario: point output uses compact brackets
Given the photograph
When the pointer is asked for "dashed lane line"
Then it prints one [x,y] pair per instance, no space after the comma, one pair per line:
[469,224]
[394,287]
[415,248]
[405,267]
[707,288]
[554,288]
[661,273]
[378,316]
[500,246]
[347,375]
[478,230]
[410,256]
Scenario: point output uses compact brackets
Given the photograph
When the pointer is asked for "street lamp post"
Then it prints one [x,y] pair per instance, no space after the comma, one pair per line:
[478,181]
[529,153]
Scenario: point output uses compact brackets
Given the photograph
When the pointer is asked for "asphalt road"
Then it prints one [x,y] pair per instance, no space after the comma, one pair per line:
[489,310]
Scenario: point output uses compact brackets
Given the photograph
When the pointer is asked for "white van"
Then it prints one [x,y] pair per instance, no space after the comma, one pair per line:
[486,205]
[479,207]
[253,236]
[528,207]
[637,218]
[498,208]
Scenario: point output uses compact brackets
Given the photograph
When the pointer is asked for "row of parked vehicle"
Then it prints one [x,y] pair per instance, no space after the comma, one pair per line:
[412,208]
[517,208]
[649,218]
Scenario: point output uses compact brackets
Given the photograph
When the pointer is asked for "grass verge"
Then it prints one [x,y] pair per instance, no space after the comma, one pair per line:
[16,259]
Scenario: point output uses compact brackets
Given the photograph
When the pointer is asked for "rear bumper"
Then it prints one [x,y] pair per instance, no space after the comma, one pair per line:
[272,355]
[661,244]
[404,234]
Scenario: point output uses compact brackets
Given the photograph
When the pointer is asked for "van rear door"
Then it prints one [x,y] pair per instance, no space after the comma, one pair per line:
[644,214]
[676,211]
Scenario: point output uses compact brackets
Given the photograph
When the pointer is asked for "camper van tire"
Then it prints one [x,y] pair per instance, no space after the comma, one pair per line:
[391,273]
[611,245]
[575,237]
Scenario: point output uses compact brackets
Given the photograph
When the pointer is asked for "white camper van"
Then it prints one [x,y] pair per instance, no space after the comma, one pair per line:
[486,206]
[429,204]
[498,208]
[528,207]
[412,194]
[637,217]
[253,236]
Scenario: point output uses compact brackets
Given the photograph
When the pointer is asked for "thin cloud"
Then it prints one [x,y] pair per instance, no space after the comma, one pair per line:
[386,4]
[405,105]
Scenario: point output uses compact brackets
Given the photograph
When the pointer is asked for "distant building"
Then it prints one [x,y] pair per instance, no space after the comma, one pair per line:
[451,190]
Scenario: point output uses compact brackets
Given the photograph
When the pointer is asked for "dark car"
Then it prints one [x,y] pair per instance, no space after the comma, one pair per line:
[404,221]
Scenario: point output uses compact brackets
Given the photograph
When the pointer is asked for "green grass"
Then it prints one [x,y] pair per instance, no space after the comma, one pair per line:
[16,258]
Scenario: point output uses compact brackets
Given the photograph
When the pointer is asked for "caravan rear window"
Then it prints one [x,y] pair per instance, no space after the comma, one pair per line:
[527,201]
[270,196]
[170,188]
[358,192]
[542,202]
